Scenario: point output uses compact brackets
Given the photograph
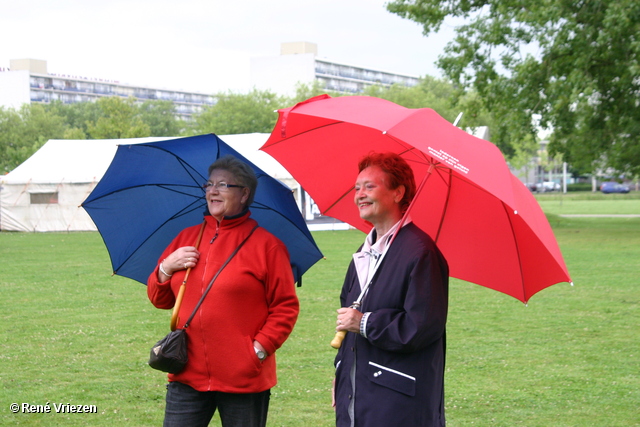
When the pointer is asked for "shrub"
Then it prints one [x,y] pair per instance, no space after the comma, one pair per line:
[579,186]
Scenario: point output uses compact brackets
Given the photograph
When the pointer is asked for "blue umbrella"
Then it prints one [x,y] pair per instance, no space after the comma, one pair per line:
[152,191]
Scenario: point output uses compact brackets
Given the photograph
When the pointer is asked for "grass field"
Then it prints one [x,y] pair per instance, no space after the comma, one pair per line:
[73,334]
[590,203]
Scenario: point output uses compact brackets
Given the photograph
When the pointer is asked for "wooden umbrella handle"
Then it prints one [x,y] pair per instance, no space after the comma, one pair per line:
[336,342]
[176,307]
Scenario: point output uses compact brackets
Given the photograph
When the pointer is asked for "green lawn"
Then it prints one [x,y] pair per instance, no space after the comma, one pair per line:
[74,334]
[590,203]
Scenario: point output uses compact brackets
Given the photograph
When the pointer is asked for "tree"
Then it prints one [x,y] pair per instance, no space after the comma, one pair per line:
[441,96]
[10,141]
[74,133]
[161,118]
[583,83]
[236,113]
[119,118]
[429,93]
[77,116]
[24,131]
[525,157]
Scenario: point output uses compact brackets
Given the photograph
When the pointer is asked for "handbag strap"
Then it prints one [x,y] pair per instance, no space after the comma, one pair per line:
[204,294]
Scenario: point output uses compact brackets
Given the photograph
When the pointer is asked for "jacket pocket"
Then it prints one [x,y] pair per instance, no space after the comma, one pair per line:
[390,378]
[255,364]
[241,363]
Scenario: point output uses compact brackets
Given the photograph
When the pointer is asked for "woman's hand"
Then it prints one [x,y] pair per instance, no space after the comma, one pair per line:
[333,394]
[181,259]
[348,320]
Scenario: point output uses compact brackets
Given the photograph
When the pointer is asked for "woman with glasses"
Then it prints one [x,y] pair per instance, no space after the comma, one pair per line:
[247,315]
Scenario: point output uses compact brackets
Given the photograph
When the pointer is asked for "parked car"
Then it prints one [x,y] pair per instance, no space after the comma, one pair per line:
[548,186]
[613,187]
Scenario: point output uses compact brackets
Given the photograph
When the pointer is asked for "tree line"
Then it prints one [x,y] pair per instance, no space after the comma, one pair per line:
[23,131]
[570,67]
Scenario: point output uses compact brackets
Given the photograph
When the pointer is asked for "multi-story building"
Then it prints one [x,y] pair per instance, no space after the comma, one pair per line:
[298,62]
[27,81]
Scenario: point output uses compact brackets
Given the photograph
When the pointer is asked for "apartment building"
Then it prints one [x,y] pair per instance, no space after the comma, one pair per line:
[298,62]
[27,81]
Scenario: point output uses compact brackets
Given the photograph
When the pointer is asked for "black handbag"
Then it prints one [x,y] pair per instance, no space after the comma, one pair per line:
[170,353]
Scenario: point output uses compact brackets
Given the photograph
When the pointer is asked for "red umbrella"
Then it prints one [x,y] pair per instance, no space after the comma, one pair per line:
[484,220]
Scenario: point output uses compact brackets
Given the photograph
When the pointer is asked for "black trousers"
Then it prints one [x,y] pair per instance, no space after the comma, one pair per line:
[189,407]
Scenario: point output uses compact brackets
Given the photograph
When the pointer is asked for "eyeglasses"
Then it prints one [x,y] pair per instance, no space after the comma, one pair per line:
[220,186]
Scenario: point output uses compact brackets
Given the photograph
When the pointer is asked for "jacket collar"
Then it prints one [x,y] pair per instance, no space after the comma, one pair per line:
[228,221]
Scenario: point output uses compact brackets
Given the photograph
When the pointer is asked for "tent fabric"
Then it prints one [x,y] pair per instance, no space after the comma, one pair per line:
[45,192]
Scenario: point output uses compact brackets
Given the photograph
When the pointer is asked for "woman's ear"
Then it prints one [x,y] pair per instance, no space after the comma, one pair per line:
[399,193]
[245,195]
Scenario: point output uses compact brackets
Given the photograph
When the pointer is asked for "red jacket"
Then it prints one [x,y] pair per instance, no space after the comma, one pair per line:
[253,298]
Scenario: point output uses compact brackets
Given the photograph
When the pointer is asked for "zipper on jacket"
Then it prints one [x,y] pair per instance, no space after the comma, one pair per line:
[215,235]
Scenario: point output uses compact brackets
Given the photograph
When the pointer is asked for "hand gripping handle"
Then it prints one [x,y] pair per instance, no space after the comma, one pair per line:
[176,307]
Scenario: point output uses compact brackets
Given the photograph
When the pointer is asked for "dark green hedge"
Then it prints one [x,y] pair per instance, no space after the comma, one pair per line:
[580,186]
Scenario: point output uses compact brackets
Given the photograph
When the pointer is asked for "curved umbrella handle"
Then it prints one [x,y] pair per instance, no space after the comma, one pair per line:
[176,307]
[336,342]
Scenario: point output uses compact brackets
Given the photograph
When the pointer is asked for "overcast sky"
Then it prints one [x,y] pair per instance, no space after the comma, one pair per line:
[206,45]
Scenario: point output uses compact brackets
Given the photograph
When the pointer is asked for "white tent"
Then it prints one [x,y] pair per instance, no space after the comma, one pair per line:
[45,192]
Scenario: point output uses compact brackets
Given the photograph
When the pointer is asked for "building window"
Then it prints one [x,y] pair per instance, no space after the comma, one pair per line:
[44,198]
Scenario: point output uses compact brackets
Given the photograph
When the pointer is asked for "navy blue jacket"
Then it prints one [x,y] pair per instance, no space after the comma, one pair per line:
[399,367]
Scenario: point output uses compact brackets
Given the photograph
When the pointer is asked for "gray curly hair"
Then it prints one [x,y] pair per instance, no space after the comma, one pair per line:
[241,171]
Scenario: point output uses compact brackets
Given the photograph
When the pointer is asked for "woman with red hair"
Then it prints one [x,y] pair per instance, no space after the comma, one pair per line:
[390,367]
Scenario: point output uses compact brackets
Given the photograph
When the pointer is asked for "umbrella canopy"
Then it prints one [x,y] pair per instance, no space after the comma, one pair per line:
[152,191]
[484,220]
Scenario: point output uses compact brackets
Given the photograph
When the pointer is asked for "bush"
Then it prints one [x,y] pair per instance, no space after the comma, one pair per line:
[579,186]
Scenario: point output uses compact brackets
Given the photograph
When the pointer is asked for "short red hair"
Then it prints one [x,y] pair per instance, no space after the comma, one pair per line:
[398,171]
